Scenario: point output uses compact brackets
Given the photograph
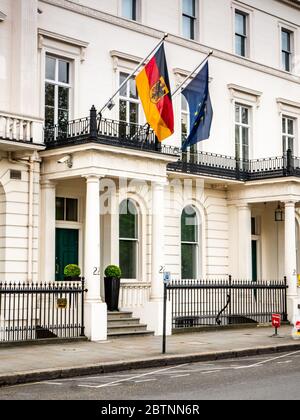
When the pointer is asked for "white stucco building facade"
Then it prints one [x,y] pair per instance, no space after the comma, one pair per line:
[61,194]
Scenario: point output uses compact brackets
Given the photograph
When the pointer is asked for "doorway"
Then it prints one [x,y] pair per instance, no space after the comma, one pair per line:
[67,241]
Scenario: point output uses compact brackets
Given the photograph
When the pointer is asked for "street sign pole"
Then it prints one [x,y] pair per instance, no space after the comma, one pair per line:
[165,320]
[166,279]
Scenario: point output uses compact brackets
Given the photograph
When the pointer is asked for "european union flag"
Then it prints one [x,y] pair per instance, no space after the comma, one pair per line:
[201,112]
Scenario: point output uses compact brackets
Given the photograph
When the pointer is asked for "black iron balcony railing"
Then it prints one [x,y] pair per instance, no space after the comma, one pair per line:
[105,131]
[214,165]
[133,136]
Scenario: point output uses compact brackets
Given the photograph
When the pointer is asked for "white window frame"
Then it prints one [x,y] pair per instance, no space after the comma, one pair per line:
[248,12]
[242,125]
[138,11]
[292,49]
[197,243]
[136,240]
[195,21]
[56,83]
[286,136]
[128,99]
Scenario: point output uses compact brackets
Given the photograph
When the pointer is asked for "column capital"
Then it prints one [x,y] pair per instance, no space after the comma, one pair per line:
[243,206]
[290,203]
[48,184]
[92,177]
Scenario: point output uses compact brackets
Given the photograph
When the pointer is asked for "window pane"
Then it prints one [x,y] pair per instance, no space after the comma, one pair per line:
[291,127]
[123,91]
[284,125]
[133,89]
[240,45]
[184,125]
[189,225]
[134,113]
[129,9]
[188,7]
[63,98]
[184,104]
[128,259]
[49,117]
[188,27]
[189,261]
[71,210]
[63,118]
[60,208]
[49,94]
[245,115]
[123,111]
[291,144]
[240,24]
[63,71]
[237,142]
[286,61]
[50,68]
[237,114]
[286,41]
[128,220]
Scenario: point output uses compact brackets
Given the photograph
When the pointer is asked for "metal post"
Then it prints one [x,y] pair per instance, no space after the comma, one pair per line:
[165,320]
[82,307]
[93,123]
[285,316]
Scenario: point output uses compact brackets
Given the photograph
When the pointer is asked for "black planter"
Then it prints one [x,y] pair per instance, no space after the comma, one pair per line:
[112,292]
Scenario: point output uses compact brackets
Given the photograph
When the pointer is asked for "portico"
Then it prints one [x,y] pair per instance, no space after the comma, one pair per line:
[266,247]
[97,183]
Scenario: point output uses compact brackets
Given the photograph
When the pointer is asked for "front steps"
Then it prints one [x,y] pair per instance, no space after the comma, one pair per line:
[122,324]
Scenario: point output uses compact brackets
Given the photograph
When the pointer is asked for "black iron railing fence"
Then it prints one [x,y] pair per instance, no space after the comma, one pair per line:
[130,135]
[41,310]
[225,302]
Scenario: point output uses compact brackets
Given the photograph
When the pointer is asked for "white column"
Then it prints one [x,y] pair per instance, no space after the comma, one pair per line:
[291,258]
[47,242]
[152,313]
[96,311]
[244,242]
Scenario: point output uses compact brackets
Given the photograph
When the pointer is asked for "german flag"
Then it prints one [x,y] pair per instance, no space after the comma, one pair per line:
[154,90]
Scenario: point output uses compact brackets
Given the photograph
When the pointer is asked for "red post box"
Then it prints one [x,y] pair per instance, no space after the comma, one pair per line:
[276,321]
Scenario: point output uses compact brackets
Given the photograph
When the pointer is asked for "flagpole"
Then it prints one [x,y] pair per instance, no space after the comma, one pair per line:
[191,74]
[110,101]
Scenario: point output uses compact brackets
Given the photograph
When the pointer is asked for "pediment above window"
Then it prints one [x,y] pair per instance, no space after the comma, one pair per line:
[287,106]
[241,93]
[123,60]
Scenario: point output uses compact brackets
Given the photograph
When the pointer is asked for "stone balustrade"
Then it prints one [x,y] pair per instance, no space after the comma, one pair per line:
[21,128]
[134,295]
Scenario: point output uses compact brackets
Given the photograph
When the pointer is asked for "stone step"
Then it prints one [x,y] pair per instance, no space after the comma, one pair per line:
[131,334]
[122,321]
[120,328]
[118,315]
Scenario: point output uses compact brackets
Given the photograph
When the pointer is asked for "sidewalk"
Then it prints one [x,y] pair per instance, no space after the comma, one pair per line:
[45,362]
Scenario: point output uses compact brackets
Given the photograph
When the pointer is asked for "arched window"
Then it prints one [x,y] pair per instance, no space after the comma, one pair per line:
[189,243]
[128,234]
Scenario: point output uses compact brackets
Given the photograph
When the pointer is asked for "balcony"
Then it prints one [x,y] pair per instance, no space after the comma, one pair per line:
[19,132]
[132,136]
[104,131]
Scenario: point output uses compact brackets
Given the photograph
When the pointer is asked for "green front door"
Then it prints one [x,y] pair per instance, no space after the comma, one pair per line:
[66,250]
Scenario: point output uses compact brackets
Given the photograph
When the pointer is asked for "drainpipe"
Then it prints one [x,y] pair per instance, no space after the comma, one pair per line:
[30,164]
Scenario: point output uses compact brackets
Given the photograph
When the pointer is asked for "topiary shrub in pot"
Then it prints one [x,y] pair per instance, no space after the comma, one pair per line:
[112,281]
[72,272]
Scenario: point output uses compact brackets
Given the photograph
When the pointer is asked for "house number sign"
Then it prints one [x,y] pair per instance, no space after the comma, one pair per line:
[62,303]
